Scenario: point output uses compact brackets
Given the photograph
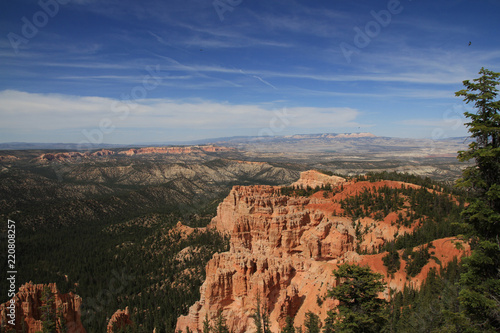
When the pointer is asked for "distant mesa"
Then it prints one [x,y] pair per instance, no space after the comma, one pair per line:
[199,142]
[355,135]
[332,136]
[73,155]
[176,150]
[131,152]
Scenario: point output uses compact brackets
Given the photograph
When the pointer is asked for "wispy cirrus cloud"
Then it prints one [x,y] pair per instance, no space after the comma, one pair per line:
[283,50]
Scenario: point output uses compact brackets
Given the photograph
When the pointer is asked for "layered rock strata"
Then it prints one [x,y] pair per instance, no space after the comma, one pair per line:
[28,304]
[283,251]
[176,150]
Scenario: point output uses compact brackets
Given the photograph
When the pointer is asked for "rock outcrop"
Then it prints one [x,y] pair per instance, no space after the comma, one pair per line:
[103,152]
[119,320]
[73,155]
[28,309]
[184,231]
[61,156]
[130,152]
[283,250]
[313,178]
[7,158]
[176,150]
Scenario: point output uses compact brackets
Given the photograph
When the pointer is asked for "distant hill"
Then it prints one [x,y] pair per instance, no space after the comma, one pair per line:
[231,141]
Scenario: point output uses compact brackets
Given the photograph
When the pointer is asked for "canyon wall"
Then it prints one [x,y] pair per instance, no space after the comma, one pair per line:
[283,250]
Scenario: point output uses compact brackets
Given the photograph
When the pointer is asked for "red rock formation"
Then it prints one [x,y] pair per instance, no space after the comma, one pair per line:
[215,149]
[28,302]
[445,250]
[120,319]
[103,152]
[73,155]
[7,158]
[185,230]
[175,150]
[285,249]
[129,152]
[315,178]
[61,156]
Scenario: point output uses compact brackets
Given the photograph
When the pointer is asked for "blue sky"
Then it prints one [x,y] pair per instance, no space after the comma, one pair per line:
[122,71]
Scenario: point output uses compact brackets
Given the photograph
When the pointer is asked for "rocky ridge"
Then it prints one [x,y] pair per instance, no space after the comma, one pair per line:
[182,150]
[28,311]
[284,249]
[73,155]
[176,150]
[313,178]
[332,135]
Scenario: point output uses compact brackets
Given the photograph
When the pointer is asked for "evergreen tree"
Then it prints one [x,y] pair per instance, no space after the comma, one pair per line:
[206,325]
[48,315]
[257,316]
[391,261]
[220,324]
[483,178]
[288,325]
[266,325]
[480,294]
[360,309]
[480,281]
[312,323]
[261,318]
[330,322]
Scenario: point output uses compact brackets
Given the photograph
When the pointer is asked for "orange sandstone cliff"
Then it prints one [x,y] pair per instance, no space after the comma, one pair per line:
[28,311]
[284,249]
[313,178]
[119,321]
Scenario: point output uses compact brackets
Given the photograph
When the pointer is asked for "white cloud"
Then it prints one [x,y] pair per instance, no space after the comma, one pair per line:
[29,111]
